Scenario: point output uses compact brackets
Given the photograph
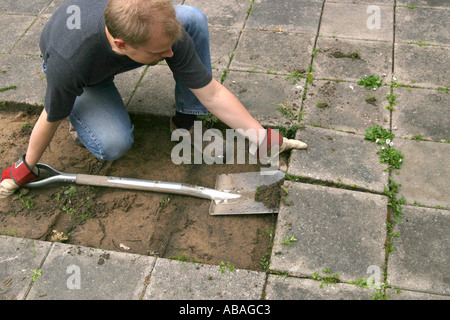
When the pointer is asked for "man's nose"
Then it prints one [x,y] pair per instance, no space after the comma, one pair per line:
[168,54]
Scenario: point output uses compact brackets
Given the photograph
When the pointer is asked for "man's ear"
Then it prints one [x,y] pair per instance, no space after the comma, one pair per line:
[120,44]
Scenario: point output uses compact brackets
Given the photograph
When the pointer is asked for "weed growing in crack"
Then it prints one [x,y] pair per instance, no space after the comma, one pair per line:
[383,138]
[371,82]
[224,266]
[394,159]
[327,279]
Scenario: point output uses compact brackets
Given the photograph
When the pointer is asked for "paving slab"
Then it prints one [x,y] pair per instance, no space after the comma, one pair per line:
[230,13]
[393,294]
[412,25]
[177,280]
[223,42]
[301,16]
[29,42]
[260,51]
[261,94]
[363,1]
[421,112]
[128,82]
[290,288]
[425,172]
[364,21]
[344,159]
[155,93]
[23,6]
[423,66]
[16,26]
[24,72]
[18,258]
[419,261]
[80,273]
[345,106]
[338,229]
[51,8]
[424,3]
[336,58]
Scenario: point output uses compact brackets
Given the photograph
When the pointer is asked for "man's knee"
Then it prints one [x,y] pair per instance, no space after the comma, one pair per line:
[191,16]
[114,148]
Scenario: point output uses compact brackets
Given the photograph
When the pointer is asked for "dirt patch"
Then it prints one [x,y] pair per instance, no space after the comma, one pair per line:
[157,224]
[336,53]
[271,195]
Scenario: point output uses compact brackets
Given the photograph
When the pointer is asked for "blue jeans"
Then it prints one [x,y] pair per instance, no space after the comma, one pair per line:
[99,115]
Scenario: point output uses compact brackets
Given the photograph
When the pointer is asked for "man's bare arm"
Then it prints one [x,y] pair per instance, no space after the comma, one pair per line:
[40,138]
[225,106]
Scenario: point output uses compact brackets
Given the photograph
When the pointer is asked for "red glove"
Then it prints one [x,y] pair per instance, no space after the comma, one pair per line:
[274,144]
[16,176]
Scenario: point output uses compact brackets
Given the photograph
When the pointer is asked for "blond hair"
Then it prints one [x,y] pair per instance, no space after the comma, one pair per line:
[134,21]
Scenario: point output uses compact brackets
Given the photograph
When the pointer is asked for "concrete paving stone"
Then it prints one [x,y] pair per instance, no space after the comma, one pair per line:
[424,25]
[413,295]
[176,280]
[424,3]
[260,51]
[81,273]
[226,13]
[155,93]
[223,41]
[332,61]
[18,258]
[363,1]
[338,229]
[51,8]
[29,43]
[364,21]
[290,288]
[421,112]
[127,82]
[425,172]
[16,26]
[425,66]
[301,16]
[419,261]
[23,6]
[24,72]
[338,157]
[262,93]
[345,106]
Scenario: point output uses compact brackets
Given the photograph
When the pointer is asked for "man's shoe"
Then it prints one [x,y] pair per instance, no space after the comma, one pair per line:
[74,135]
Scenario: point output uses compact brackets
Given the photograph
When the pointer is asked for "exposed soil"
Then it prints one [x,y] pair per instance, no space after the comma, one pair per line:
[271,195]
[148,223]
[336,53]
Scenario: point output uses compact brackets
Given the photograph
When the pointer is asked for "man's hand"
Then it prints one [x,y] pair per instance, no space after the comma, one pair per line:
[274,144]
[16,176]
